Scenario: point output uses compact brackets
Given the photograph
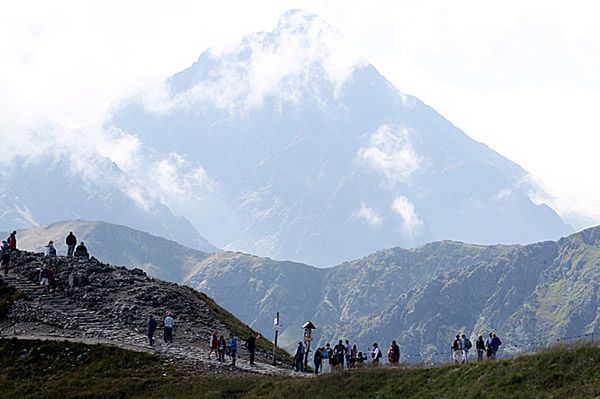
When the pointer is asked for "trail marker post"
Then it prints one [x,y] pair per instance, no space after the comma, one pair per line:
[276,327]
[308,327]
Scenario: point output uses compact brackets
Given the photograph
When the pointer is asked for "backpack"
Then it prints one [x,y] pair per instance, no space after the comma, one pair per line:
[379,355]
[469,344]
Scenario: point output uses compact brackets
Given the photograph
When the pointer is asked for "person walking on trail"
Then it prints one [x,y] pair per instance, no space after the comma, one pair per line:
[214,344]
[495,344]
[480,346]
[233,347]
[251,346]
[50,250]
[168,329]
[466,346]
[299,358]
[317,358]
[222,349]
[52,285]
[44,279]
[339,351]
[152,324]
[394,357]
[71,242]
[81,251]
[376,354]
[348,352]
[457,349]
[4,257]
[12,241]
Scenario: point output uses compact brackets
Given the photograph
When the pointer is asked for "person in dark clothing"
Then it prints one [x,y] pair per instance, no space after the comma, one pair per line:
[251,346]
[317,358]
[299,357]
[71,242]
[488,347]
[222,349]
[214,344]
[395,354]
[480,346]
[152,324]
[12,241]
[495,344]
[81,251]
[338,351]
[4,257]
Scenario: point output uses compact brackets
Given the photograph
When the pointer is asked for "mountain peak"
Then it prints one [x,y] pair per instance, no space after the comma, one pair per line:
[297,20]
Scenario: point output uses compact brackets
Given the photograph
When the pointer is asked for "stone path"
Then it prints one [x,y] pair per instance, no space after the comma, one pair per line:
[59,318]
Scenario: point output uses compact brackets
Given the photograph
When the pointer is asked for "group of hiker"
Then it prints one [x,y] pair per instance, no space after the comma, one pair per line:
[462,345]
[219,345]
[78,251]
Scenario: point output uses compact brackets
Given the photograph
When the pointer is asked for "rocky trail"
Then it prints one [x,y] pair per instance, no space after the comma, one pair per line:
[103,304]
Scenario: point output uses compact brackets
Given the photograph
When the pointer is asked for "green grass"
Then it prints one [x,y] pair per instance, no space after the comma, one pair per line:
[33,369]
[8,295]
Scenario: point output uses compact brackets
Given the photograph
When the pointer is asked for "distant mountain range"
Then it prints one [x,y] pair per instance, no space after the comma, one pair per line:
[308,153]
[421,297]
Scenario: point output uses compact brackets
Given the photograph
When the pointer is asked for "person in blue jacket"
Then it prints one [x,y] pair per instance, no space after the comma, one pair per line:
[233,347]
[495,343]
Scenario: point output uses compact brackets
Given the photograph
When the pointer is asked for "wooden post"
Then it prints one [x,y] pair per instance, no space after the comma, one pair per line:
[275,341]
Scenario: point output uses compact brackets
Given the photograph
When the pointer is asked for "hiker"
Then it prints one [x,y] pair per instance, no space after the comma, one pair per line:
[152,324]
[222,349]
[480,346]
[318,356]
[330,359]
[495,344]
[50,251]
[12,241]
[251,346]
[168,329]
[376,354]
[339,351]
[466,346]
[214,344]
[81,251]
[4,257]
[299,357]
[489,352]
[361,359]
[44,279]
[353,356]
[394,357]
[51,280]
[233,347]
[71,241]
[457,349]
[348,352]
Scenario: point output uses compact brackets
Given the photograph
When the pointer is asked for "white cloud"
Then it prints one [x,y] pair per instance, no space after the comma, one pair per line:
[369,215]
[391,153]
[411,222]
[174,176]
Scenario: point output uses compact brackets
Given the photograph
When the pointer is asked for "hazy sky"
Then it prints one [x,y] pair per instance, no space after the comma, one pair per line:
[519,76]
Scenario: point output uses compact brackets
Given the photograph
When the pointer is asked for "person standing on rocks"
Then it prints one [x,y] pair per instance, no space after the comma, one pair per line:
[152,324]
[168,330]
[251,346]
[71,242]
[12,241]
[222,349]
[214,344]
[50,251]
[4,257]
[233,347]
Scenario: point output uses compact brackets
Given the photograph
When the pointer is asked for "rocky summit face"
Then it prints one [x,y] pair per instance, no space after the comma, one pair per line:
[530,295]
[306,152]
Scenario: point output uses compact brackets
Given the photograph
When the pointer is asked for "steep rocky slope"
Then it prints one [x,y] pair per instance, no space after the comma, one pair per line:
[97,302]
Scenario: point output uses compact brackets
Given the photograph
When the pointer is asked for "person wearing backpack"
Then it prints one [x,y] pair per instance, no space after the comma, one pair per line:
[233,347]
[457,349]
[376,354]
[489,352]
[466,346]
[222,349]
[480,346]
[495,343]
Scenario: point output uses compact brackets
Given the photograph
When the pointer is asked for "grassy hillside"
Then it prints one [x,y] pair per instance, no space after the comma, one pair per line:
[8,295]
[52,370]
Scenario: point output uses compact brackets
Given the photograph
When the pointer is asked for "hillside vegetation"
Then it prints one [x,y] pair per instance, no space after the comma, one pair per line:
[34,369]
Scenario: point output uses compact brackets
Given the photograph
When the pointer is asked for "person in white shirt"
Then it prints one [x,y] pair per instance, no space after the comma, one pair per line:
[169,328]
[376,354]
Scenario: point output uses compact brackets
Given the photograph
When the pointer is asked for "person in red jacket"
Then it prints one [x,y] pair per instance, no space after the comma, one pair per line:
[12,241]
